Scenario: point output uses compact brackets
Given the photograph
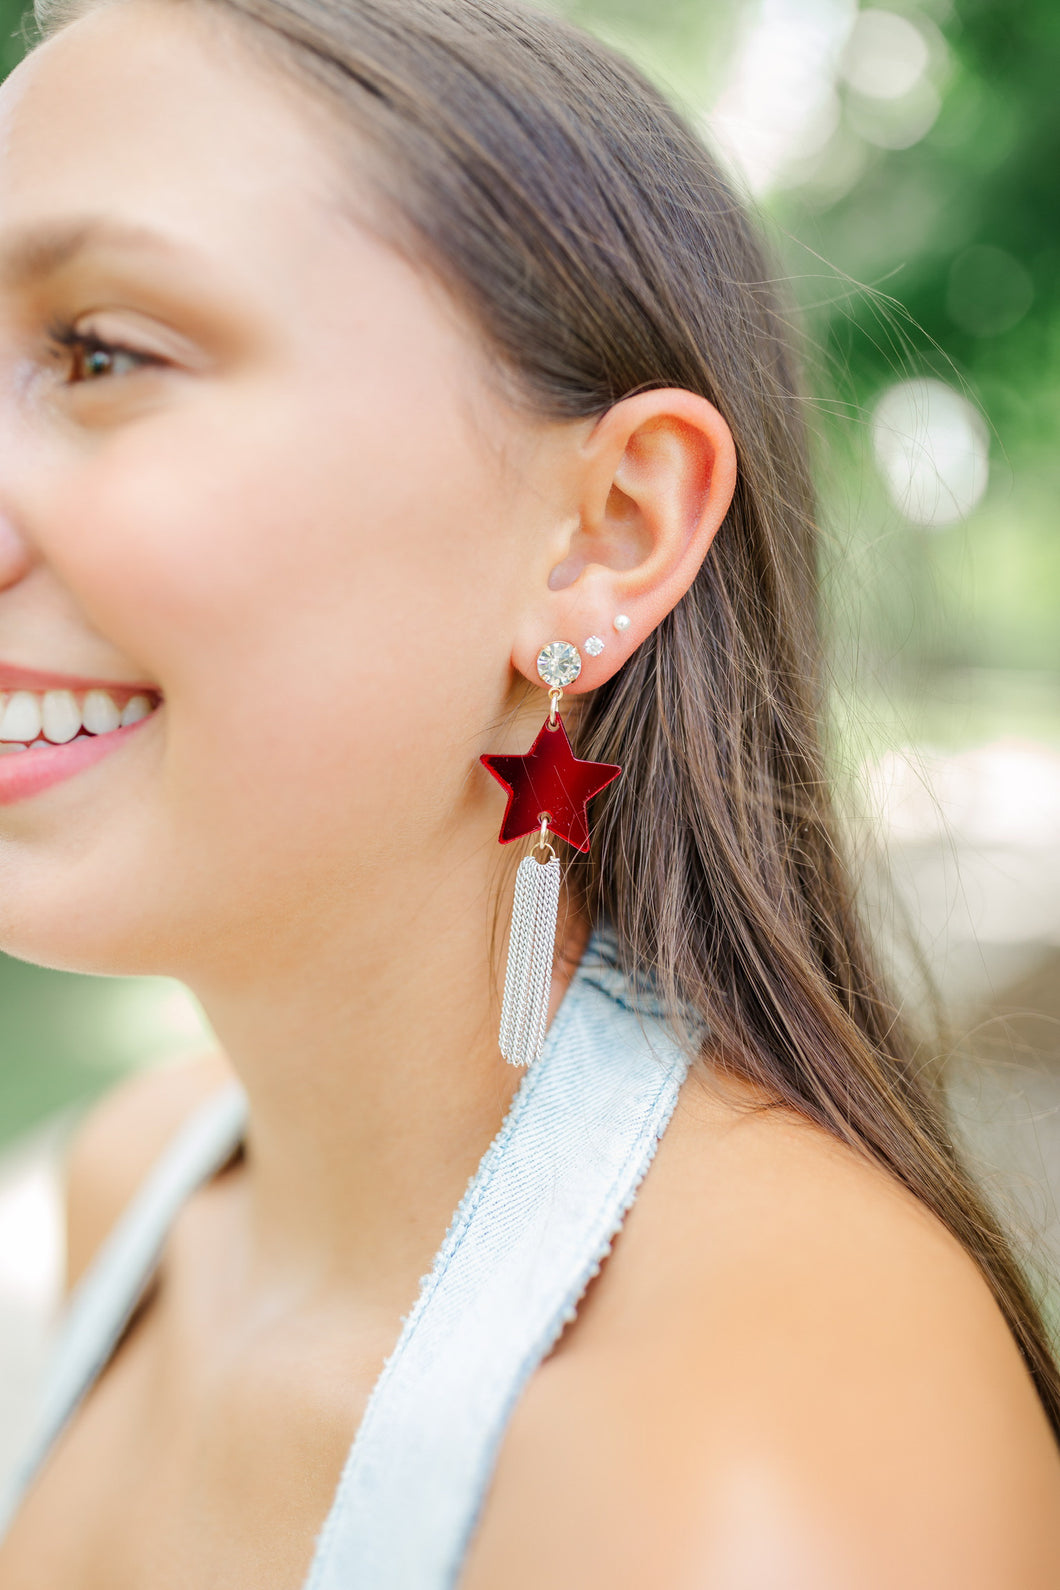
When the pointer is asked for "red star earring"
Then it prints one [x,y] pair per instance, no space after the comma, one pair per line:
[548,792]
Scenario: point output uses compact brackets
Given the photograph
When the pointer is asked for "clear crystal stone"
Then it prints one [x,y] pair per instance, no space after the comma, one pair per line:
[594,645]
[559,664]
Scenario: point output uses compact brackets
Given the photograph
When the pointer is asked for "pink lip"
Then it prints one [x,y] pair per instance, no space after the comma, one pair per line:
[14,677]
[25,773]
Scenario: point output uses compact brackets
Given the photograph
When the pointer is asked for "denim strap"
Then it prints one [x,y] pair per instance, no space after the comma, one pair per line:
[103,1302]
[535,1224]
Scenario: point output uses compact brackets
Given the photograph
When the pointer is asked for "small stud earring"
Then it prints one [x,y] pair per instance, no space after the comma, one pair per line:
[594,645]
[621,622]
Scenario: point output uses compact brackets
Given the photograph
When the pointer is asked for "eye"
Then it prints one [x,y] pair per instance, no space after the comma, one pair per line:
[90,358]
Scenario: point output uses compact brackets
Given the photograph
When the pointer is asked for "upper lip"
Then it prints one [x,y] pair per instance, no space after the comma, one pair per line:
[15,677]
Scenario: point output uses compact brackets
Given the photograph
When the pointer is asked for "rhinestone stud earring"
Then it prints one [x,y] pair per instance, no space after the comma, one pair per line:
[558,665]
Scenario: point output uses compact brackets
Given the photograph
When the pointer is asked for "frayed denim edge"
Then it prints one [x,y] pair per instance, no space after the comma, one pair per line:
[475,1191]
[662,1110]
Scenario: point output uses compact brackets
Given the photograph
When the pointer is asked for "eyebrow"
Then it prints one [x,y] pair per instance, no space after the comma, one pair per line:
[30,257]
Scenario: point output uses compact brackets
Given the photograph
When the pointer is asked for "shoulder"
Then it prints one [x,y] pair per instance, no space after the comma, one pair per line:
[118,1141]
[788,1374]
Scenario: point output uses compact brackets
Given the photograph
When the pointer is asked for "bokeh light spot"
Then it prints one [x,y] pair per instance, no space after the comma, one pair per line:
[932,449]
[989,291]
[885,56]
[895,123]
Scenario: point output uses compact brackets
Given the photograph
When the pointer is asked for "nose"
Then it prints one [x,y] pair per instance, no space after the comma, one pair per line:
[15,555]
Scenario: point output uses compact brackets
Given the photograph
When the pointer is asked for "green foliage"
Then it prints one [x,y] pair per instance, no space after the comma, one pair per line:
[15,26]
[984,177]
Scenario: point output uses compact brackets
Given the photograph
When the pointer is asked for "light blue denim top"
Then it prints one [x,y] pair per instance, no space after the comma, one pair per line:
[537,1220]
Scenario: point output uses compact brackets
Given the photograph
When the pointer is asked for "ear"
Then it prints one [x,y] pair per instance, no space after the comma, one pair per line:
[654,480]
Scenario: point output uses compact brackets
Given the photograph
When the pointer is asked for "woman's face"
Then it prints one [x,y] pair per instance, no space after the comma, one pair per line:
[289,506]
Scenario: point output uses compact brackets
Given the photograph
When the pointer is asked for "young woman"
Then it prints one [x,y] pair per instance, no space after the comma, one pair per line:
[354,352]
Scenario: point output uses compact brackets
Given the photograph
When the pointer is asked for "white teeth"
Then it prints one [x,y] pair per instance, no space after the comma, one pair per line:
[136,707]
[39,745]
[100,713]
[60,716]
[9,750]
[23,713]
[21,719]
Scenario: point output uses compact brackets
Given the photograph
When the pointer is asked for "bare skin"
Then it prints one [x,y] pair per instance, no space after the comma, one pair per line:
[317,528]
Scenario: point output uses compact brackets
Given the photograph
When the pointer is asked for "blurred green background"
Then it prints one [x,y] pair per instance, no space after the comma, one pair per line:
[904,160]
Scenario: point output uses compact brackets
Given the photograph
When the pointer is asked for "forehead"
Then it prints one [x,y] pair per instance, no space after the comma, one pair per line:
[154,114]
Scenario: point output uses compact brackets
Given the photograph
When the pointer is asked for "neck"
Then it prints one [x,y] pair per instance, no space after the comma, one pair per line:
[375,1085]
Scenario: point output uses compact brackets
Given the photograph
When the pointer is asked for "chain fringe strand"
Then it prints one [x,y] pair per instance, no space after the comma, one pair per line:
[531,952]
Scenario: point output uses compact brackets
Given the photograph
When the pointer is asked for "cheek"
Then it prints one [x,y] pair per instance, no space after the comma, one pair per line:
[319,595]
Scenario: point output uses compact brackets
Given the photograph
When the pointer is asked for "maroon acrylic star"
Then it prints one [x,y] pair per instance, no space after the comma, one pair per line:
[549,778]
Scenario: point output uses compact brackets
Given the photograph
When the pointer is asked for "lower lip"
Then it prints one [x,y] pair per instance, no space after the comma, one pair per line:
[25,773]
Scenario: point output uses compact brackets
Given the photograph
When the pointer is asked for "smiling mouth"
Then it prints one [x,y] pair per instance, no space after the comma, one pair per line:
[34,720]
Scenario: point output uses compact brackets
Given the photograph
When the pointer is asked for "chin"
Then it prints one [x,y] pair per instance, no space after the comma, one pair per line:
[88,933]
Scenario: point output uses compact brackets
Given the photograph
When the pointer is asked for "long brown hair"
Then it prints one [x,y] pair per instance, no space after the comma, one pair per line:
[599,248]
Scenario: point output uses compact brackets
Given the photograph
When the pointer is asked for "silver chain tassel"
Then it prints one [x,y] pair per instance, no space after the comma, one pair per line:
[531,952]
